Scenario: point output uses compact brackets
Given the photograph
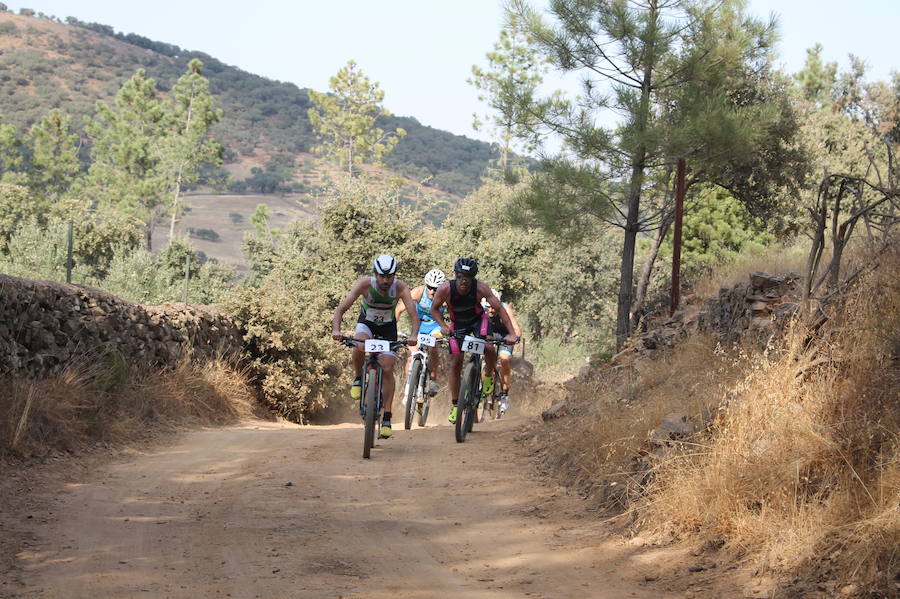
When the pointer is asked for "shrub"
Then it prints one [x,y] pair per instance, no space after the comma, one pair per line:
[206,234]
[302,274]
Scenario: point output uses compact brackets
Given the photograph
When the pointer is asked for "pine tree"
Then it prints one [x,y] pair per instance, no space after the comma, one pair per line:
[126,171]
[515,68]
[633,59]
[189,110]
[54,156]
[344,120]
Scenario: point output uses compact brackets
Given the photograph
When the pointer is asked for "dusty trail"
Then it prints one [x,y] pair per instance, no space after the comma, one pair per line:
[211,515]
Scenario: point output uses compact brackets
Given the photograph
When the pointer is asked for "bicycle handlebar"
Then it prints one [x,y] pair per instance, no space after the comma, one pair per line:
[353,342]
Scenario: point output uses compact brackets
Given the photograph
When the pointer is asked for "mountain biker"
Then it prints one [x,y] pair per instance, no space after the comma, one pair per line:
[423,296]
[505,351]
[380,294]
[463,297]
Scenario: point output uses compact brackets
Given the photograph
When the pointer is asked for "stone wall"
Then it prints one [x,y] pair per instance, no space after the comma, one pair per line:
[44,325]
[759,308]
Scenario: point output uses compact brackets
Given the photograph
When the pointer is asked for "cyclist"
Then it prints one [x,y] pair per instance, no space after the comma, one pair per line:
[380,294]
[505,351]
[423,296]
[463,297]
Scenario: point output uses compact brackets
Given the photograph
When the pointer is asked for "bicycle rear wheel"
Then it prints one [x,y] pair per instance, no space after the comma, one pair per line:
[464,411]
[370,390]
[412,386]
[423,413]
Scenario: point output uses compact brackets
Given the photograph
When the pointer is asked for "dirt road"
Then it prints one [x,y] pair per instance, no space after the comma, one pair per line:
[276,510]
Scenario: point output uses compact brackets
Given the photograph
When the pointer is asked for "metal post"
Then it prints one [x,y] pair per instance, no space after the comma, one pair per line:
[187,277]
[676,240]
[69,243]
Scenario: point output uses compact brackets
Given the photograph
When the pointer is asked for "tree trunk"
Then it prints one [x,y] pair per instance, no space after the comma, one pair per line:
[626,269]
[148,234]
[641,295]
[175,206]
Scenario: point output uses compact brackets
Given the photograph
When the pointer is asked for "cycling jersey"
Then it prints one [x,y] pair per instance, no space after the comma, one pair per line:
[377,308]
[465,310]
[466,314]
[497,325]
[423,308]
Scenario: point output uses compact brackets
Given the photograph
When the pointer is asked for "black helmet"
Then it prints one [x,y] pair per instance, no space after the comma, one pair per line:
[466,266]
[385,264]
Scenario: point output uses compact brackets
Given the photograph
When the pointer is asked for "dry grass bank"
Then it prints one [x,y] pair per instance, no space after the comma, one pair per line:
[102,399]
[796,467]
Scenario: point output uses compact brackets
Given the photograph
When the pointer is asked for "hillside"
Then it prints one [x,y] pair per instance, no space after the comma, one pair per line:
[47,64]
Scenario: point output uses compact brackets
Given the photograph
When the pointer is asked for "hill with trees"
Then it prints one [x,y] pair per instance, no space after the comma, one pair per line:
[47,63]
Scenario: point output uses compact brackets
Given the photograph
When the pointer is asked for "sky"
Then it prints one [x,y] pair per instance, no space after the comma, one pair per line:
[421,51]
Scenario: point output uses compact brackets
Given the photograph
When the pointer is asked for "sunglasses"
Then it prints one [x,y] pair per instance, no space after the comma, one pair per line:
[431,288]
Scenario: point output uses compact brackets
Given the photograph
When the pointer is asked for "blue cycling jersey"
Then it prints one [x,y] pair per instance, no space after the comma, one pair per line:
[423,307]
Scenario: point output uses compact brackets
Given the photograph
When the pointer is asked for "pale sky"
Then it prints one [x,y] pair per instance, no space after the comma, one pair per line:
[421,51]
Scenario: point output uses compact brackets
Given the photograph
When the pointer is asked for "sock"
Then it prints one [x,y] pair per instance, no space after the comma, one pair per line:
[387,416]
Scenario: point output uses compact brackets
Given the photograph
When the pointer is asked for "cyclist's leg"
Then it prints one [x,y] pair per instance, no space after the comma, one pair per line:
[434,354]
[359,357]
[387,361]
[505,357]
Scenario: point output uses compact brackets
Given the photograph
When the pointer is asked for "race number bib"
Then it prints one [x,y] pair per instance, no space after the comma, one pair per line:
[473,345]
[426,340]
[377,345]
[379,315]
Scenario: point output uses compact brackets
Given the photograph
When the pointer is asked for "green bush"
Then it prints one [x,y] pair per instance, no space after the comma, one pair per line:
[38,251]
[302,274]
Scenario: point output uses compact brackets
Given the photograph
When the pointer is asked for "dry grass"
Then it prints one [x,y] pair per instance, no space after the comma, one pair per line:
[772,261]
[797,465]
[615,412]
[104,399]
[802,469]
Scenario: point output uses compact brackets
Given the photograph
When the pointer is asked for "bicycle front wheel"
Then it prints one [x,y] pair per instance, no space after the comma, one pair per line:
[465,405]
[370,391]
[412,386]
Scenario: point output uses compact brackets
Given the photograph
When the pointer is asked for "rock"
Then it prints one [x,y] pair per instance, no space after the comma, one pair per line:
[626,356]
[559,408]
[673,427]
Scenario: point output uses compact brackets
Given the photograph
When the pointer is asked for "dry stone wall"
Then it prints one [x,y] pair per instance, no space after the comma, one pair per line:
[45,325]
[759,308]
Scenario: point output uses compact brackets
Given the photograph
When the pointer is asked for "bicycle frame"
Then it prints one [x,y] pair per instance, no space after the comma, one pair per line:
[371,400]
[469,386]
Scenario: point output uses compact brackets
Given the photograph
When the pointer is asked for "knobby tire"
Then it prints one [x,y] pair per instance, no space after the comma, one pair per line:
[412,386]
[464,405]
[370,389]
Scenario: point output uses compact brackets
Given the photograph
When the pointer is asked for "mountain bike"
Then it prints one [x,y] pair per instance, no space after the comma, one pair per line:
[470,382]
[370,400]
[416,397]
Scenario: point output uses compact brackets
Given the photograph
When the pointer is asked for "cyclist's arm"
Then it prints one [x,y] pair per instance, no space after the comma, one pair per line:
[401,306]
[406,300]
[359,288]
[484,291]
[512,318]
[440,298]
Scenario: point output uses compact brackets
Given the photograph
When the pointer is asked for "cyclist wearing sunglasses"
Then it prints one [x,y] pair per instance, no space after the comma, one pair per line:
[463,297]
[423,296]
[380,295]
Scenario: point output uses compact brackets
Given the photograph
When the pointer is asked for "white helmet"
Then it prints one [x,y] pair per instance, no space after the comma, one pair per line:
[434,277]
[385,264]
[484,302]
